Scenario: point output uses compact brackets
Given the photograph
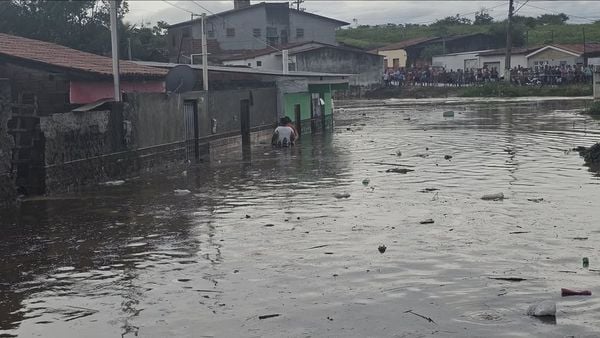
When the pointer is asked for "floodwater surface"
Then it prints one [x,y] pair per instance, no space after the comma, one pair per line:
[273,246]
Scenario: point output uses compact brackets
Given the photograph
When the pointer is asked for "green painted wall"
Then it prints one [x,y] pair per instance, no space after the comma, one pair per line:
[303,99]
[328,103]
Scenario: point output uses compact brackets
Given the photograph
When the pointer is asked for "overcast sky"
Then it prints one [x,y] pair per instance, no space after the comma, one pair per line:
[371,12]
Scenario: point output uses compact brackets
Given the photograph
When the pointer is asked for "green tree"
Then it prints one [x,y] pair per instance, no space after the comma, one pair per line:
[452,21]
[82,24]
[552,19]
[483,17]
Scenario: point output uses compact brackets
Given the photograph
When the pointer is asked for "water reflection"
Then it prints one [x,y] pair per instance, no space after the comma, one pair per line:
[261,233]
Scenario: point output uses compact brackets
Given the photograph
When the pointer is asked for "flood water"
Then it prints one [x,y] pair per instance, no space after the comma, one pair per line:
[267,236]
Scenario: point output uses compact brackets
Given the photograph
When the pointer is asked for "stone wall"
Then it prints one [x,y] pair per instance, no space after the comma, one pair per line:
[7,183]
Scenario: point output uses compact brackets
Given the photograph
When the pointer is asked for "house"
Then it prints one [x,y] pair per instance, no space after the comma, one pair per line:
[250,27]
[316,57]
[55,138]
[41,79]
[395,55]
[419,51]
[497,57]
[562,55]
[456,61]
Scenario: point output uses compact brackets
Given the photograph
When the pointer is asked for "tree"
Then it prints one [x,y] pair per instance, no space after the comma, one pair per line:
[552,19]
[82,24]
[525,20]
[483,17]
[452,21]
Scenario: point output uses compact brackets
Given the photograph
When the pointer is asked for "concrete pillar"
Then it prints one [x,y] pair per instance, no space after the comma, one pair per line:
[7,181]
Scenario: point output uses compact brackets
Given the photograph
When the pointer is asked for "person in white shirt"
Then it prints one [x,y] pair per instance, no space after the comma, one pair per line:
[283,136]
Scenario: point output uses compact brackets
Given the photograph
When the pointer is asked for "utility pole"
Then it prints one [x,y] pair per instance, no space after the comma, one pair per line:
[508,41]
[114,39]
[204,55]
[129,48]
[297,3]
[584,48]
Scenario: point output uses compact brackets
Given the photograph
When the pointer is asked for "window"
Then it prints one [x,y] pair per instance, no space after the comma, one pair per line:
[256,32]
[299,32]
[230,32]
[258,63]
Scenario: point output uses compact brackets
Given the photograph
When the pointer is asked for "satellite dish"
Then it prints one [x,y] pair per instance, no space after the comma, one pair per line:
[181,79]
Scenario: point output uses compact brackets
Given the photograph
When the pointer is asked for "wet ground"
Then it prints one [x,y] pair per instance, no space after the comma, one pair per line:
[267,236]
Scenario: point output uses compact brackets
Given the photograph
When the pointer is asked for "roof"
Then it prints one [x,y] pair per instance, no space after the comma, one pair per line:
[294,48]
[259,5]
[479,52]
[244,70]
[502,51]
[406,43]
[579,48]
[51,54]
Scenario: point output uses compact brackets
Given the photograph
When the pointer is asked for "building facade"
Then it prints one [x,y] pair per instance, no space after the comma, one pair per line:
[250,27]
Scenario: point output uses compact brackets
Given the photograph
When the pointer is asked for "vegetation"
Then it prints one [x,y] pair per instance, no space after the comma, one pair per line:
[83,25]
[547,28]
[594,108]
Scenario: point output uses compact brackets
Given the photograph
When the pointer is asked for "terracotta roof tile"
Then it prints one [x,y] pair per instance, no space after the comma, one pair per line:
[69,59]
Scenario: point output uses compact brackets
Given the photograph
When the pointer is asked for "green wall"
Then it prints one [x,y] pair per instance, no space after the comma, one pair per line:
[303,99]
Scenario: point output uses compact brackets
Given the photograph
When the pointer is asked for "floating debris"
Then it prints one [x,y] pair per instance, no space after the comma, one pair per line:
[113,183]
[269,316]
[449,113]
[509,279]
[340,195]
[493,197]
[569,292]
[542,309]
[382,248]
[398,170]
[448,157]
[366,181]
[181,191]
[427,221]
[535,200]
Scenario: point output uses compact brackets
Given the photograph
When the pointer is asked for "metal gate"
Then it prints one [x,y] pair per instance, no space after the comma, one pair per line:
[190,120]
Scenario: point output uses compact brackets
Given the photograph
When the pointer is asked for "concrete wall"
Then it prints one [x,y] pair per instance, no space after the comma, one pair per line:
[155,119]
[269,61]
[454,61]
[553,57]
[315,29]
[7,183]
[515,61]
[390,55]
[367,67]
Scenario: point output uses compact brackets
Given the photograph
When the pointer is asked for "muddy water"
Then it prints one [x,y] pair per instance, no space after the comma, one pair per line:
[266,236]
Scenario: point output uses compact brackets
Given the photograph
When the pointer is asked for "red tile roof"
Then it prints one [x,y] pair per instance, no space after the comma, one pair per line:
[51,54]
[578,48]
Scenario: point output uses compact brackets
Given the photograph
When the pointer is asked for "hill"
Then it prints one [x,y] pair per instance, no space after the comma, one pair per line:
[370,37]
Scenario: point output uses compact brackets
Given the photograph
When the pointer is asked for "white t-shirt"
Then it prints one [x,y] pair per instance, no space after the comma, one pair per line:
[285,135]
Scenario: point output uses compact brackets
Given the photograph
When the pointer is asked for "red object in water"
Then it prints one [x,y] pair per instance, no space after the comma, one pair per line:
[568,292]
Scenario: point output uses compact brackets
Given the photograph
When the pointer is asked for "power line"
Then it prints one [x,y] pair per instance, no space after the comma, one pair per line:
[178,7]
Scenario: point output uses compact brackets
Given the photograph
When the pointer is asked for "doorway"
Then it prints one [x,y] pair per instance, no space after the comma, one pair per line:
[190,120]
[298,118]
[245,122]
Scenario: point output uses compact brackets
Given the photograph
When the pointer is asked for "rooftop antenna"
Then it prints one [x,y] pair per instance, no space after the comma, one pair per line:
[297,3]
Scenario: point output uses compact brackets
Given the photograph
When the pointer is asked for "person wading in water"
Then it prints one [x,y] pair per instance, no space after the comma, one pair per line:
[283,136]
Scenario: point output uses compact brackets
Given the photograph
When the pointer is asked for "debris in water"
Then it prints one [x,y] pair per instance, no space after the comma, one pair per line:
[427,221]
[382,248]
[449,113]
[535,200]
[340,195]
[580,238]
[181,191]
[429,189]
[366,181]
[269,225]
[398,170]
[248,216]
[586,262]
[269,316]
[114,183]
[518,232]
[493,197]
[542,309]
[569,292]
[330,318]
[448,157]
[184,173]
[418,315]
[398,153]
[509,279]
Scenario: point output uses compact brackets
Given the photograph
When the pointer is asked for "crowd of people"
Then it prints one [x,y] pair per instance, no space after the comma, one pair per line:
[439,76]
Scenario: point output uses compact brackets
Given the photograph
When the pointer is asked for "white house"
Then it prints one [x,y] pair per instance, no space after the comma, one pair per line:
[456,61]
